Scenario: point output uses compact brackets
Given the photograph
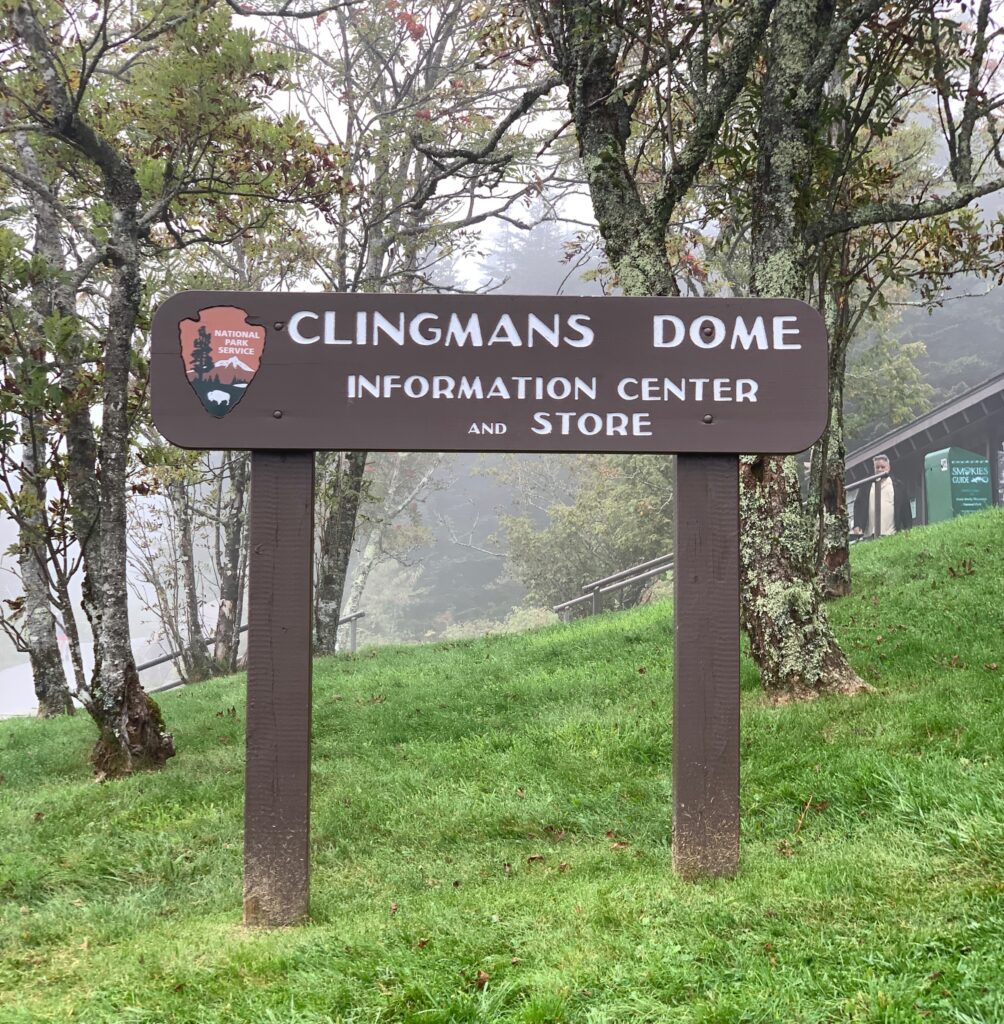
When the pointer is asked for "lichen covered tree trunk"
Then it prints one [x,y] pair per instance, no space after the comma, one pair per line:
[789,634]
[783,613]
[131,729]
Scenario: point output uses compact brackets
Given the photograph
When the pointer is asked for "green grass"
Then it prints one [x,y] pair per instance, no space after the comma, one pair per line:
[436,767]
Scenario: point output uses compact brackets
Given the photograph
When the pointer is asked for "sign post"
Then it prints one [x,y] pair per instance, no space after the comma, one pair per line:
[706,666]
[288,374]
[277,773]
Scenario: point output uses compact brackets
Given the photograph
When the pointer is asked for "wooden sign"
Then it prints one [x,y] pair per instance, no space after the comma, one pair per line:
[287,374]
[488,373]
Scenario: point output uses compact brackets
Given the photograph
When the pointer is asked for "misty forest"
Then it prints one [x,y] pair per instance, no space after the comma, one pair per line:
[845,154]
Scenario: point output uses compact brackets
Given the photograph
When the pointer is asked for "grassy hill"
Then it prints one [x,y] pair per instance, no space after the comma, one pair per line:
[491,836]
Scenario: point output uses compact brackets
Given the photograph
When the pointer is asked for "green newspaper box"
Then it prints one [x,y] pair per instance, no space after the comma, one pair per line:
[957,482]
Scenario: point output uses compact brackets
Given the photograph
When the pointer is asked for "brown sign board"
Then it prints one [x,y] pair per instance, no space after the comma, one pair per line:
[313,371]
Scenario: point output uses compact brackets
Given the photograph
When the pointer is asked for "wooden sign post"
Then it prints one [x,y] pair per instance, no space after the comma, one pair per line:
[288,374]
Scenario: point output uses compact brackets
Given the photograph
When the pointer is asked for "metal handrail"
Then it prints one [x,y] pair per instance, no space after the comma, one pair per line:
[658,571]
[595,591]
[596,584]
[349,620]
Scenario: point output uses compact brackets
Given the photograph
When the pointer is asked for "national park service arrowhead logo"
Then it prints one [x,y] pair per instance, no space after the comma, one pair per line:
[221,352]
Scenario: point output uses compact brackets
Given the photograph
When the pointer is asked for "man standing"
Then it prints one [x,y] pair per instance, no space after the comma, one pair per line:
[894,504]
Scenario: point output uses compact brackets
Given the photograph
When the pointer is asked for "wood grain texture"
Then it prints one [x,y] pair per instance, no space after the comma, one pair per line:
[706,654]
[277,775]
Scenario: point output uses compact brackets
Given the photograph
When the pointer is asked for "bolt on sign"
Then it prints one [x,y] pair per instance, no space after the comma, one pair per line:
[288,374]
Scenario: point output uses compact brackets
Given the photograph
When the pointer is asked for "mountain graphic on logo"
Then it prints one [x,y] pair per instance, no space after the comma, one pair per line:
[234,363]
[221,353]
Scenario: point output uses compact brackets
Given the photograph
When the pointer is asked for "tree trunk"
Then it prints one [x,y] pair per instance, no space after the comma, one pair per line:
[231,561]
[132,733]
[367,563]
[48,296]
[341,505]
[195,655]
[789,633]
[829,458]
[51,687]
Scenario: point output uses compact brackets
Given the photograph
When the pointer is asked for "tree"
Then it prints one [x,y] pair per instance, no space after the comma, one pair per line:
[202,355]
[429,134]
[619,513]
[746,86]
[399,483]
[146,171]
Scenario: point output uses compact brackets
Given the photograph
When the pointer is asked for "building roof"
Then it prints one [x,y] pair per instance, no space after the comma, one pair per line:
[934,428]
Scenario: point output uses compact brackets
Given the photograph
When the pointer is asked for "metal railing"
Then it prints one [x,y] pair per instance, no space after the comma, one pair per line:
[594,591]
[350,620]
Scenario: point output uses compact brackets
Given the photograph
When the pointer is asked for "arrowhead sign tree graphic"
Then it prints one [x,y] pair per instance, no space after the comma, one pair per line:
[221,353]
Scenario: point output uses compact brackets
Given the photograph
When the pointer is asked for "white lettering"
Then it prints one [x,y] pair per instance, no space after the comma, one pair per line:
[780,331]
[745,336]
[459,335]
[329,330]
[393,331]
[416,387]
[543,422]
[723,389]
[707,332]
[622,386]
[416,330]
[746,390]
[505,330]
[658,331]
[552,335]
[470,388]
[559,388]
[589,424]
[294,328]
[579,322]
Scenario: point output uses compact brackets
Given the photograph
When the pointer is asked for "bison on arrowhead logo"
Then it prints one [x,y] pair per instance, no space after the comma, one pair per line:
[221,352]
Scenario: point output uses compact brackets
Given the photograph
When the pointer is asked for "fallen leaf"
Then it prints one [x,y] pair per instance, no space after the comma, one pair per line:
[39,815]
[393,909]
[515,960]
[619,846]
[784,848]
[422,943]
[481,980]
[990,667]
[535,858]
[642,670]
[521,792]
[611,835]
[563,866]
